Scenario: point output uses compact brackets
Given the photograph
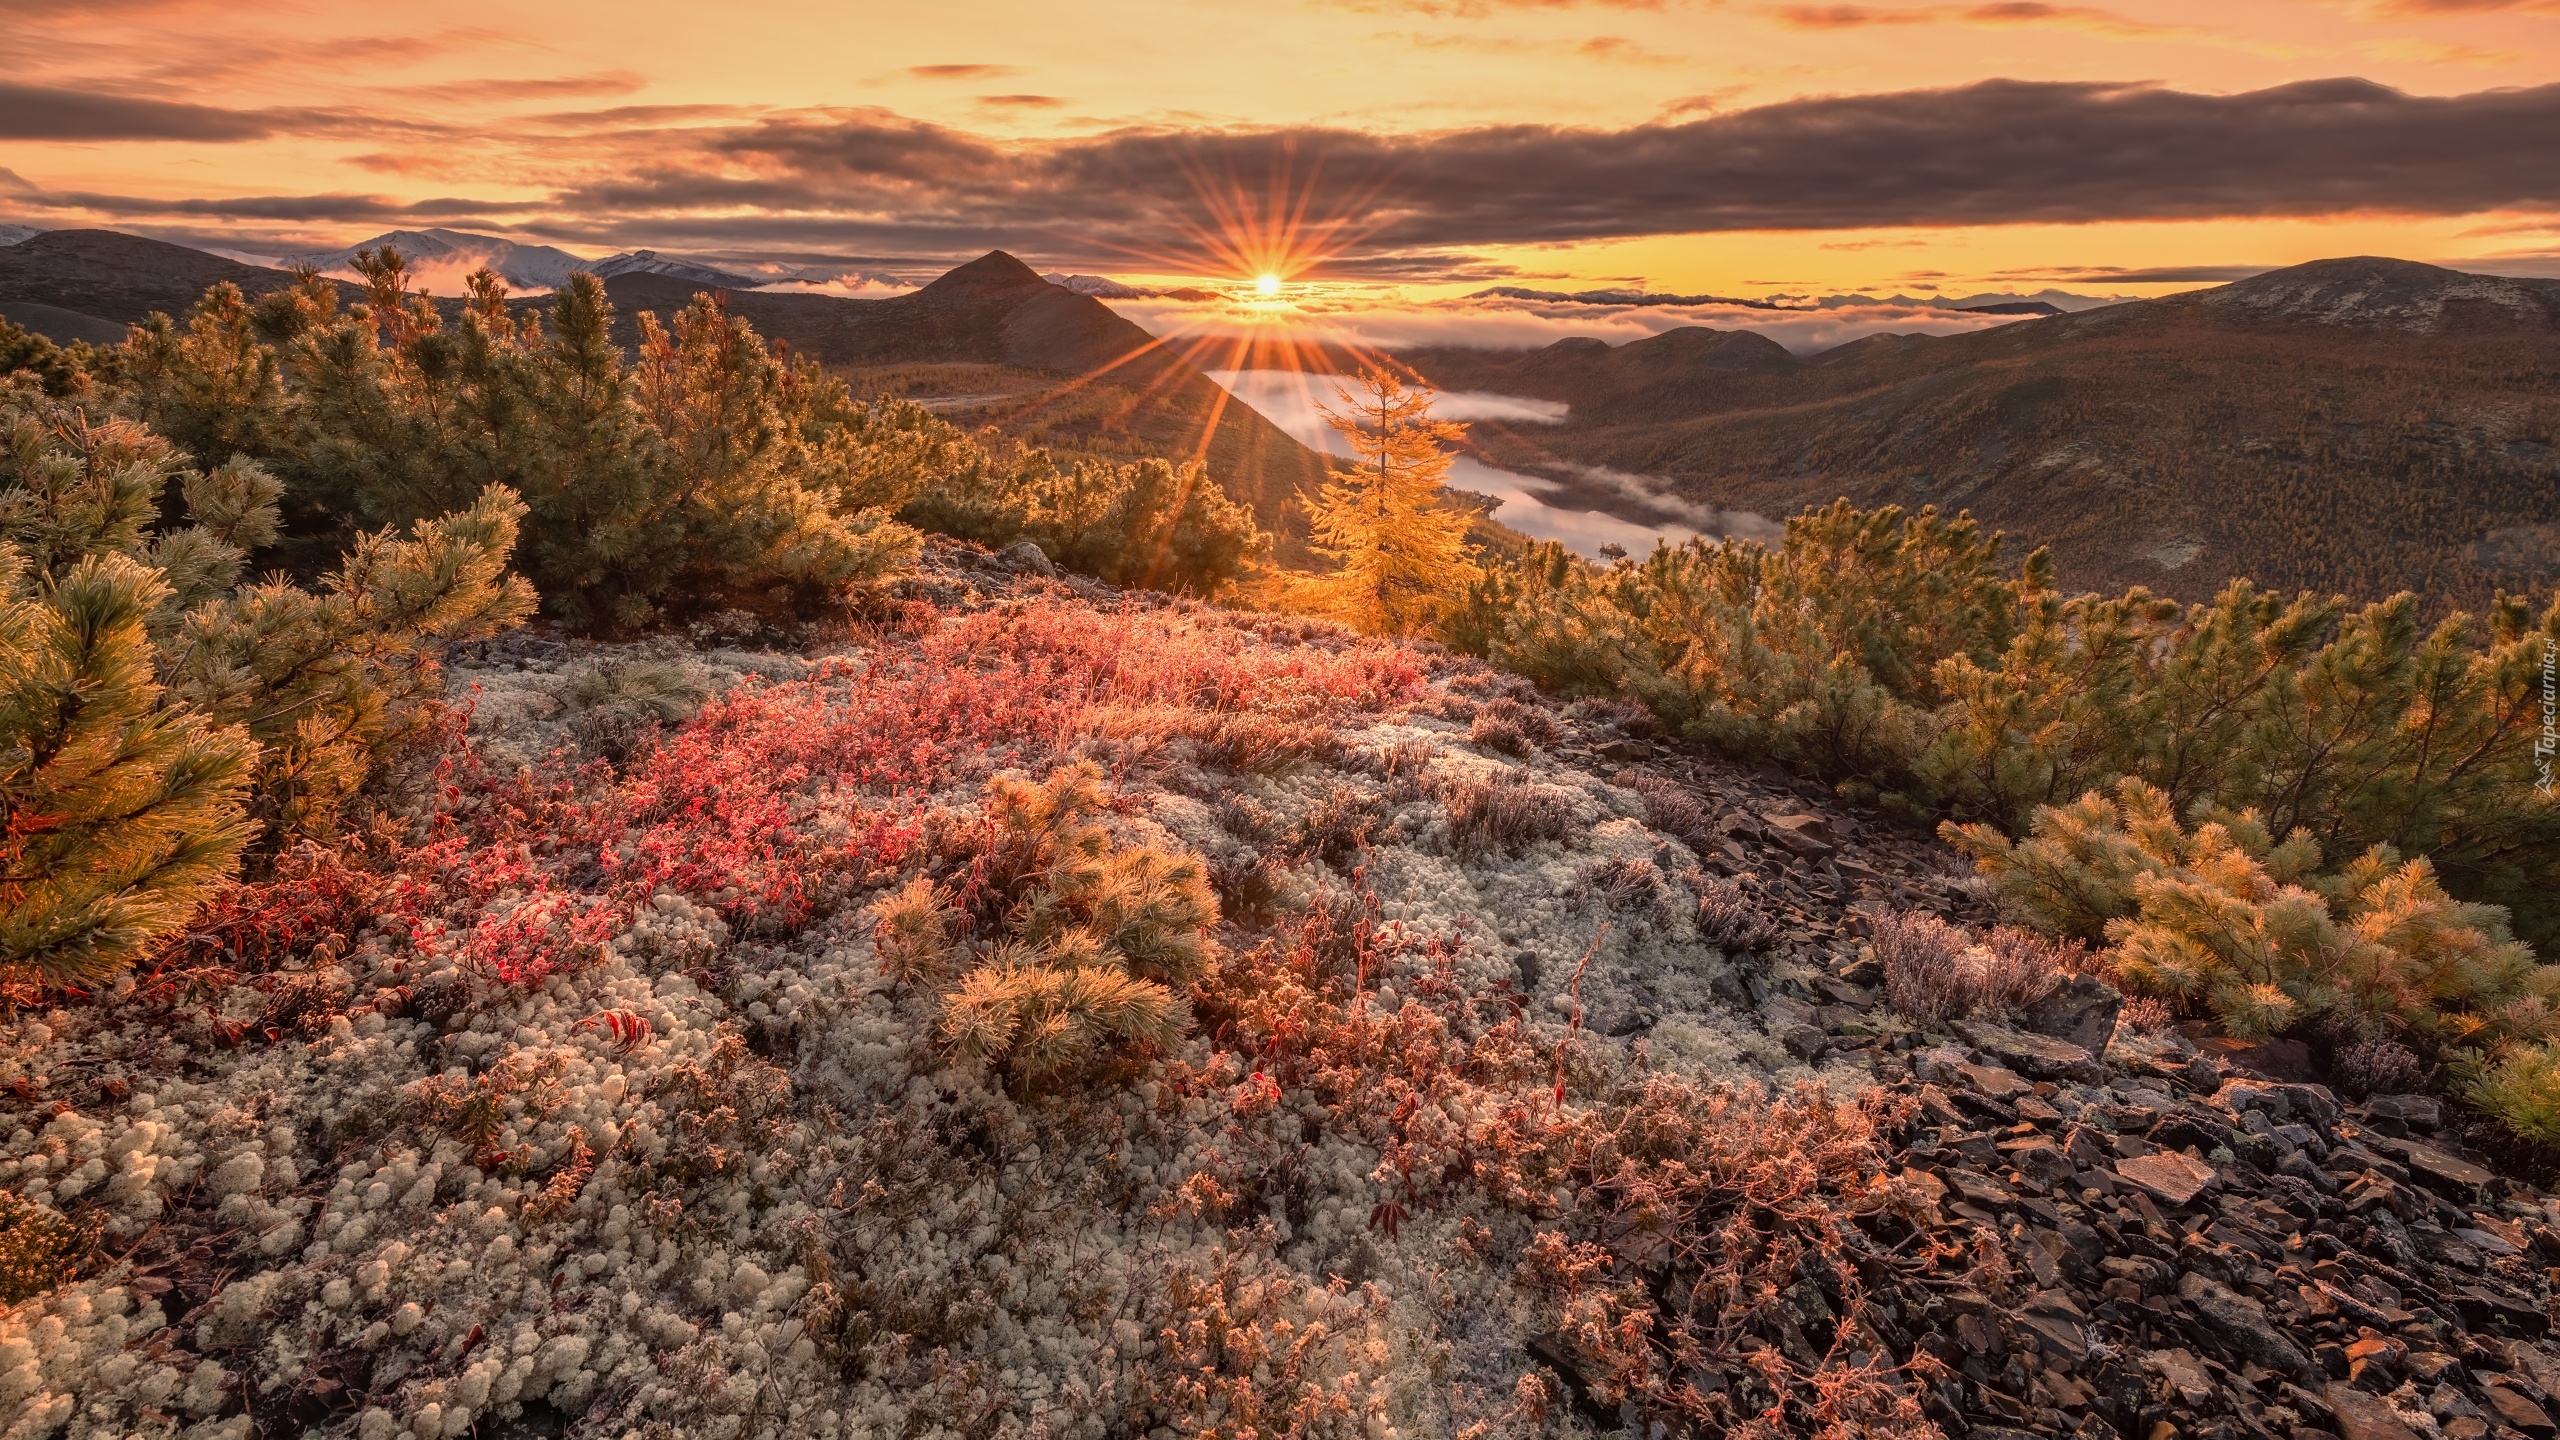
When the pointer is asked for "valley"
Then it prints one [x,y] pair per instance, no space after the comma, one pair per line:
[2358,425]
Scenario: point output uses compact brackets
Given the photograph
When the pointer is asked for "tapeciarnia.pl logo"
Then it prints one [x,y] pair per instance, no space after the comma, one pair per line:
[2549,740]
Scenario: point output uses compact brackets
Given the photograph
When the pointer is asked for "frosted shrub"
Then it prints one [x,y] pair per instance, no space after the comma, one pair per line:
[2225,919]
[1503,813]
[1937,971]
[1078,943]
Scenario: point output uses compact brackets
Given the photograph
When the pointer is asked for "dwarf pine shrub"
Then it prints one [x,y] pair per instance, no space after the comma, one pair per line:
[1892,655]
[703,466]
[1081,944]
[160,716]
[2224,919]
[125,808]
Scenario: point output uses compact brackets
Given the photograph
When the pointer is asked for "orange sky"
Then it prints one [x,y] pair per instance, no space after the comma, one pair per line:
[833,129]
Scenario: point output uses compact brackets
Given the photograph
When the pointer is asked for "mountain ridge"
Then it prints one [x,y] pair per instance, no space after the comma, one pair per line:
[990,342]
[2362,425]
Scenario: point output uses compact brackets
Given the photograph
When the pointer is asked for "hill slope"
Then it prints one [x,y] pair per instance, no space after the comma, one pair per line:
[671,1148]
[993,343]
[115,278]
[2363,425]
[990,343]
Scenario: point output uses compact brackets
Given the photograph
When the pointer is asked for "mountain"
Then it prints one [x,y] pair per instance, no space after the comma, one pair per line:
[12,234]
[1100,287]
[992,342]
[2048,302]
[650,262]
[2014,307]
[2362,425]
[540,266]
[106,277]
[62,327]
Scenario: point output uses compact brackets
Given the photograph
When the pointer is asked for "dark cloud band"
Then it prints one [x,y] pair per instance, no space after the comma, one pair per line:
[1998,152]
[37,112]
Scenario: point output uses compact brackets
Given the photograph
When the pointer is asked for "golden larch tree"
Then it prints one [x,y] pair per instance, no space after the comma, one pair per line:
[1401,549]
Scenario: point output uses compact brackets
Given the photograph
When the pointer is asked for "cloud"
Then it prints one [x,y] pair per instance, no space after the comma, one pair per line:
[1619,50]
[1021,102]
[1372,323]
[1998,14]
[1486,405]
[623,116]
[43,112]
[1483,9]
[611,82]
[1425,206]
[2407,9]
[2524,264]
[1997,152]
[66,113]
[1847,17]
[2152,275]
[962,72]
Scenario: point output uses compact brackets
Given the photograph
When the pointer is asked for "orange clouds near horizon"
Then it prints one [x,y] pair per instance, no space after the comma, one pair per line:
[1824,148]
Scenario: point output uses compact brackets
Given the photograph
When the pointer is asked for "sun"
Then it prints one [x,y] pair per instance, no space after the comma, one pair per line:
[1268,284]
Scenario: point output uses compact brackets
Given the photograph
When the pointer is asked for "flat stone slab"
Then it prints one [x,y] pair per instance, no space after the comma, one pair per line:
[2362,1415]
[2172,1177]
[2427,1159]
[2184,1373]
[2514,1409]
[1994,1081]
[1979,1188]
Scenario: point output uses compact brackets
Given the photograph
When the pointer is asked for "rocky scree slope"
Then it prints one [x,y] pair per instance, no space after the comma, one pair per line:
[600,1114]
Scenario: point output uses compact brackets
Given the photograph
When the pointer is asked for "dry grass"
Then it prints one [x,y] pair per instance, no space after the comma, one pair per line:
[1729,919]
[1504,813]
[1937,971]
[1514,728]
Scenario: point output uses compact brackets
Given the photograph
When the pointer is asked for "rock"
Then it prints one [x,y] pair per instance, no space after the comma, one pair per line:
[2513,1409]
[2028,1053]
[1023,555]
[2239,1097]
[2058,1327]
[1981,1189]
[2241,1323]
[2082,1011]
[1804,1040]
[2361,1416]
[2482,1239]
[2173,1177]
[2438,1165]
[1811,826]
[2482,1305]
[1625,751]
[2185,1375]
[2274,1059]
[1940,1064]
[2418,1112]
[2378,1356]
[1799,838]
[2086,1145]
[1993,1081]
[2039,1159]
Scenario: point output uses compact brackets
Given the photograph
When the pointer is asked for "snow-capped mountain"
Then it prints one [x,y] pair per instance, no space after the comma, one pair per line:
[650,262]
[1099,287]
[12,234]
[537,266]
[544,267]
